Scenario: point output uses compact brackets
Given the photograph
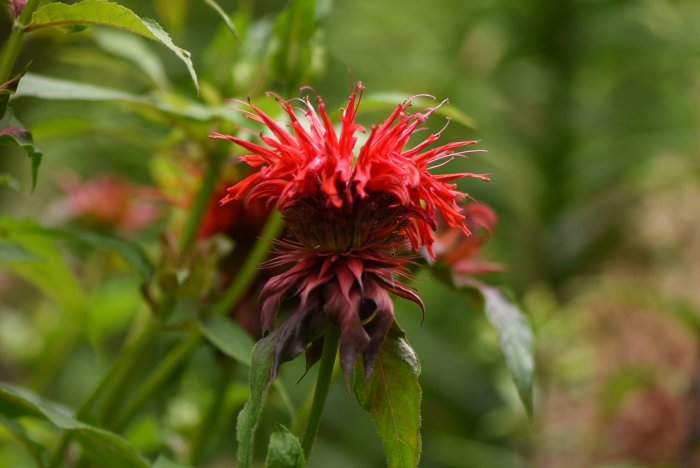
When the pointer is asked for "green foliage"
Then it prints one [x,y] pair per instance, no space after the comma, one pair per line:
[392,397]
[294,43]
[284,450]
[57,89]
[13,133]
[228,337]
[106,13]
[516,341]
[103,447]
[46,269]
[259,381]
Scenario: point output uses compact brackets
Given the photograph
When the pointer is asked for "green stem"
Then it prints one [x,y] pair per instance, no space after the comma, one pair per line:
[9,53]
[211,418]
[249,270]
[202,201]
[115,379]
[323,384]
[156,379]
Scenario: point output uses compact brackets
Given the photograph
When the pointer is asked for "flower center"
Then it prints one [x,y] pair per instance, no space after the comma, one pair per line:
[376,221]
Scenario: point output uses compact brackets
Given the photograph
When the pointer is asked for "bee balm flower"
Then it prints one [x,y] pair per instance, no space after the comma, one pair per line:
[351,220]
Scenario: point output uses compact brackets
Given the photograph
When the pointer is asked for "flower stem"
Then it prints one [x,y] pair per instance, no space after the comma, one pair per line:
[206,190]
[249,270]
[323,383]
[156,379]
[9,53]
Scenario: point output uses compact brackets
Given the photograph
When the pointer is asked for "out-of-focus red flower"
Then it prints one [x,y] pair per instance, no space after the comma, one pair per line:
[240,223]
[108,202]
[459,252]
[350,220]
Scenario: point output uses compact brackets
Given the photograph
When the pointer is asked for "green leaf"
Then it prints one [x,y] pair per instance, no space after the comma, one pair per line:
[49,272]
[259,382]
[284,450]
[224,16]
[164,462]
[33,449]
[105,448]
[56,89]
[383,101]
[135,50]
[10,182]
[131,252]
[292,45]
[106,13]
[13,133]
[12,252]
[516,341]
[227,336]
[392,396]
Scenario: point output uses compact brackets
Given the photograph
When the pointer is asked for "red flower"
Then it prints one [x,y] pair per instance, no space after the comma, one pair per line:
[109,202]
[350,219]
[460,253]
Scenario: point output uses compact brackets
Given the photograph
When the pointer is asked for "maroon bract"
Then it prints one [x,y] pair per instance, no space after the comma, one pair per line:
[351,220]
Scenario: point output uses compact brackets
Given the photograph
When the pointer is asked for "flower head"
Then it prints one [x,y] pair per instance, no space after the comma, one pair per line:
[351,219]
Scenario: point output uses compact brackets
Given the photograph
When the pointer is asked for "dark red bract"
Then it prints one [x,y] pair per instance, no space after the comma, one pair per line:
[351,219]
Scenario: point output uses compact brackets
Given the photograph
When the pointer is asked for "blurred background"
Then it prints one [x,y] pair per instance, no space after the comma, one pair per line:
[588,110]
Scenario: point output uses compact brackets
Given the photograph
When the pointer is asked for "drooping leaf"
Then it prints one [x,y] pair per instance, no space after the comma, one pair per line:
[259,381]
[106,13]
[228,337]
[516,341]
[384,101]
[224,16]
[105,448]
[284,450]
[392,397]
[13,133]
[57,89]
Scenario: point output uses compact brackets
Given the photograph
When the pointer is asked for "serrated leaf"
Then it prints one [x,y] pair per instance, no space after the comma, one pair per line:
[224,16]
[383,101]
[516,341]
[106,13]
[259,382]
[392,396]
[13,133]
[105,448]
[228,337]
[284,450]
